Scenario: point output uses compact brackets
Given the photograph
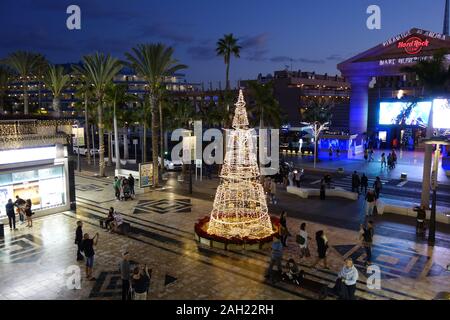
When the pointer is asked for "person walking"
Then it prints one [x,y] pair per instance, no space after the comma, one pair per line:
[79,240]
[356,182]
[364,183]
[125,273]
[303,241]
[131,184]
[9,207]
[297,177]
[323,186]
[377,186]
[29,213]
[291,178]
[284,231]
[276,258]
[273,191]
[367,240]
[322,248]
[88,250]
[330,153]
[349,277]
[383,160]
[370,202]
[140,282]
[371,154]
[366,155]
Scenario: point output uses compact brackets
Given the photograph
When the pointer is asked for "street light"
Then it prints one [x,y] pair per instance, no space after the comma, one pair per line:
[438,141]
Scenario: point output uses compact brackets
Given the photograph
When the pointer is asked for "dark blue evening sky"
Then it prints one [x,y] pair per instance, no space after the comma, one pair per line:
[316,35]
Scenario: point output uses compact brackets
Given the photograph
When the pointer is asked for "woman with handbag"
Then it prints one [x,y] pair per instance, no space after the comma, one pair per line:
[302,240]
[29,213]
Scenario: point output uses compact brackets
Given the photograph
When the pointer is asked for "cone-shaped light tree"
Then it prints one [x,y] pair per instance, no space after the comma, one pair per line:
[240,208]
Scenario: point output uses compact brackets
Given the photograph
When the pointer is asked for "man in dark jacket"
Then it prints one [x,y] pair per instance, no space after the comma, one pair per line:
[364,183]
[79,239]
[131,184]
[20,204]
[11,214]
[356,181]
[367,234]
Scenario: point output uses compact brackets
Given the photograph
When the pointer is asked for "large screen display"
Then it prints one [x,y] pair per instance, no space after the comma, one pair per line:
[441,114]
[389,112]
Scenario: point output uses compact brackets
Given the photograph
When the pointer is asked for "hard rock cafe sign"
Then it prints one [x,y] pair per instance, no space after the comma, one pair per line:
[413,45]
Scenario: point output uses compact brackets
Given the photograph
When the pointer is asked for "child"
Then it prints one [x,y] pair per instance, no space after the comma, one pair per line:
[79,239]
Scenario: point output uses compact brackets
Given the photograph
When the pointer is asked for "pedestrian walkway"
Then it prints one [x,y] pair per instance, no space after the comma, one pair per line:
[408,162]
[35,262]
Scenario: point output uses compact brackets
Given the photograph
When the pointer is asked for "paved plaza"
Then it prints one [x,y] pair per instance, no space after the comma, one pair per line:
[35,262]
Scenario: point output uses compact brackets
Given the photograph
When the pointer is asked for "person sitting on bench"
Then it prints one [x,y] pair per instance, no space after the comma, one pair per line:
[293,274]
[110,218]
[117,223]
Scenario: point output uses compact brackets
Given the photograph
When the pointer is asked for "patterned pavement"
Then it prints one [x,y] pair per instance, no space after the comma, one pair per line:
[37,263]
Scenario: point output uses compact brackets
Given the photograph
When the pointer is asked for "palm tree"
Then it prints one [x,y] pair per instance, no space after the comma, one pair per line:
[84,93]
[99,70]
[39,71]
[117,95]
[24,64]
[434,76]
[5,73]
[56,81]
[154,62]
[226,47]
[265,106]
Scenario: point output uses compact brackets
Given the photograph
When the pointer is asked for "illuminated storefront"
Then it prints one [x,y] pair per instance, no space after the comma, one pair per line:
[377,75]
[39,174]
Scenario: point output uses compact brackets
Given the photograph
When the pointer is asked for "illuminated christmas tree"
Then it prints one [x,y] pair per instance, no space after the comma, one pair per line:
[240,208]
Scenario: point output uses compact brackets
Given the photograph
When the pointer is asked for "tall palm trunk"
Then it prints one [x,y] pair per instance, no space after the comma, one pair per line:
[154,112]
[86,124]
[56,106]
[125,143]
[109,148]
[227,75]
[161,136]
[101,142]
[116,139]
[144,140]
[25,98]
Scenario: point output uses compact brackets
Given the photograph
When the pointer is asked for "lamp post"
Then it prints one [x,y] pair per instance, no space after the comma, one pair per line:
[438,141]
[77,126]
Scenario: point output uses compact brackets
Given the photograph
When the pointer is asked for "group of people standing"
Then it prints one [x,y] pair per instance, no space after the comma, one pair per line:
[390,161]
[347,277]
[124,187]
[135,281]
[23,209]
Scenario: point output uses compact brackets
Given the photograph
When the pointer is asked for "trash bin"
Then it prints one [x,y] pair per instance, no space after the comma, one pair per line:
[2,231]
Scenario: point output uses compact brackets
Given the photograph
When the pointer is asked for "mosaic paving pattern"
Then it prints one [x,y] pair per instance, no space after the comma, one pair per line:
[163,206]
[88,187]
[20,249]
[394,260]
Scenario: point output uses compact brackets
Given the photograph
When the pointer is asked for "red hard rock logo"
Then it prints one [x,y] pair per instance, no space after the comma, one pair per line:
[413,45]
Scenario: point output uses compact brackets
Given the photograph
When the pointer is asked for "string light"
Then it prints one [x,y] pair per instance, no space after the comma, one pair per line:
[240,208]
